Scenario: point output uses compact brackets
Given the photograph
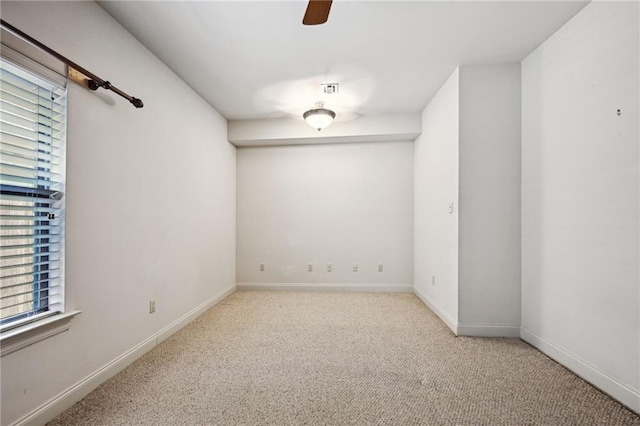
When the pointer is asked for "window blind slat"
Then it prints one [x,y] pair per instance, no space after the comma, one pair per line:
[23,211]
[51,110]
[42,170]
[12,129]
[23,248]
[35,232]
[41,198]
[38,296]
[21,216]
[22,88]
[37,280]
[28,261]
[23,181]
[12,153]
[30,101]
[24,260]
[16,278]
[21,116]
[18,298]
[42,226]
[51,282]
[41,132]
[23,122]
[37,123]
[29,163]
[32,142]
[11,111]
[8,241]
[10,269]
[42,297]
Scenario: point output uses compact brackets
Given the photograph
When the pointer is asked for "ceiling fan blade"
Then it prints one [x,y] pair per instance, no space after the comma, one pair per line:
[317,12]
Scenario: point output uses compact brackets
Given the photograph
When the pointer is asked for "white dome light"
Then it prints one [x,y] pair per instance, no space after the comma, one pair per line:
[319,117]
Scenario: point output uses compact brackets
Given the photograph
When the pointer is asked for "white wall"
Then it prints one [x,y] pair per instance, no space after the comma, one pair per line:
[150,205]
[340,204]
[489,220]
[467,202]
[435,187]
[580,183]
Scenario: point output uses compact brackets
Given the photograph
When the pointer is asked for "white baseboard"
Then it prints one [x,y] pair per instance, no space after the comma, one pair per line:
[75,393]
[472,330]
[166,332]
[444,316]
[488,330]
[382,288]
[607,384]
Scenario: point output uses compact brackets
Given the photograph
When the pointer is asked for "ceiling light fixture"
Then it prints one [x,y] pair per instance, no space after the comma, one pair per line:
[319,117]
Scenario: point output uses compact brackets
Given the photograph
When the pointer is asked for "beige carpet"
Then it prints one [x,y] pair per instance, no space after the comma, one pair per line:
[302,358]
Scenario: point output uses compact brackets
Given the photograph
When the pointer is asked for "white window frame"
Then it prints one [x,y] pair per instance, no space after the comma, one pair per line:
[24,332]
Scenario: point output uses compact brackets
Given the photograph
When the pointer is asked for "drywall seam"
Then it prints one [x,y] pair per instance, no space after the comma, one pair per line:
[359,287]
[488,330]
[607,384]
[76,392]
[453,325]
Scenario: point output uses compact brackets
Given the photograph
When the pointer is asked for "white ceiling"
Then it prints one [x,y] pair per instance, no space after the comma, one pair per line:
[255,60]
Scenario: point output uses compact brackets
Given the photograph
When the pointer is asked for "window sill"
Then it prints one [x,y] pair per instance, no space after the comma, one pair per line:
[28,334]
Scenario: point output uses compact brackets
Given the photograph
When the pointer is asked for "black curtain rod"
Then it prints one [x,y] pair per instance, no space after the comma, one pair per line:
[94,83]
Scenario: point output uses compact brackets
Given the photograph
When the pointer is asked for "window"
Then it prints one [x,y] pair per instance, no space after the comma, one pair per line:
[32,178]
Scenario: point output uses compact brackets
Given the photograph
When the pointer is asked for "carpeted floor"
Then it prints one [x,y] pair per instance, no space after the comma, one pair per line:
[306,358]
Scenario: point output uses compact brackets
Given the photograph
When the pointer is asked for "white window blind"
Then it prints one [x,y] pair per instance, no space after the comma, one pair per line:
[32,177]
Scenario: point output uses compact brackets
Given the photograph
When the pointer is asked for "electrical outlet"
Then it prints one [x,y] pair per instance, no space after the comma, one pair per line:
[329,267]
[355,267]
[152,306]
[262,267]
[433,280]
[380,267]
[310,267]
